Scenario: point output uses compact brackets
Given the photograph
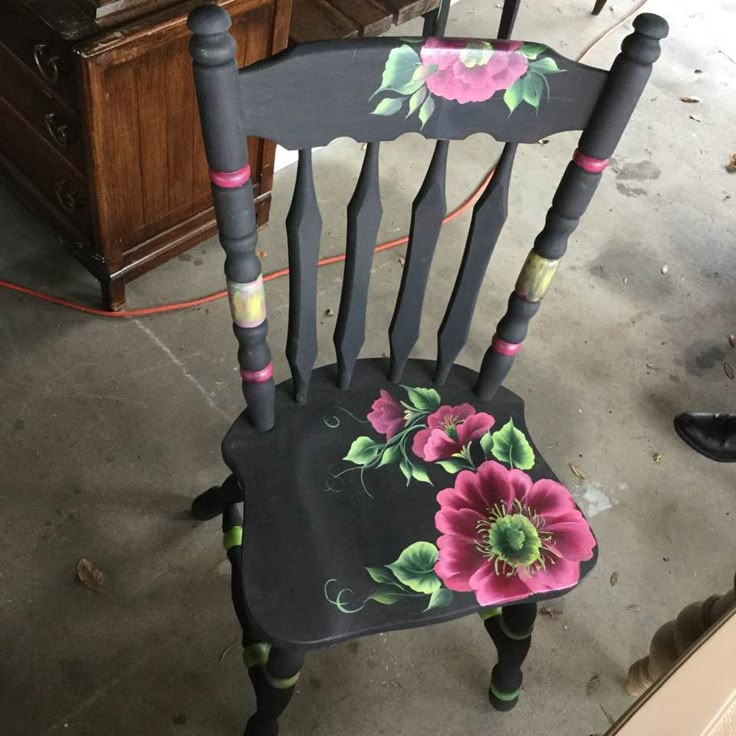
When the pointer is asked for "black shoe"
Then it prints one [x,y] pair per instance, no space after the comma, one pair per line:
[712,435]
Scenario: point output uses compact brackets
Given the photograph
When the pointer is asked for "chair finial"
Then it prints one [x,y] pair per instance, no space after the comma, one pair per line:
[642,46]
[209,20]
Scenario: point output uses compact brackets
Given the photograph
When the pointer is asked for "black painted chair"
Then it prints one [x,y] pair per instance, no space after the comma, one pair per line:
[388,494]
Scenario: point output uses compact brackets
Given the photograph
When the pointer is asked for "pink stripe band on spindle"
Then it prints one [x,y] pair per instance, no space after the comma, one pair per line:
[505,348]
[588,163]
[260,376]
[230,179]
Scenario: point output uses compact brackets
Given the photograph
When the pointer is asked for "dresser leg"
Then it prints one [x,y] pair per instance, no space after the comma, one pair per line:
[113,294]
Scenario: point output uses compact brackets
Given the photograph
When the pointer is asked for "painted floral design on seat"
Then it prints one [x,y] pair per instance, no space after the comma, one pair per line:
[502,535]
[463,71]
[505,537]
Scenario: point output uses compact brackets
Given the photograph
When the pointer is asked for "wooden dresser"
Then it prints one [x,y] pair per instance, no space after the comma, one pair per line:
[99,131]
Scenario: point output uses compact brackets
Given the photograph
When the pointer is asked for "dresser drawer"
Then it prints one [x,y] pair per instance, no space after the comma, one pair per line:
[46,113]
[41,50]
[55,177]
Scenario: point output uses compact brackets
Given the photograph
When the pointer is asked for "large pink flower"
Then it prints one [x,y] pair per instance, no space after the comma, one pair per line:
[450,429]
[506,538]
[472,72]
[387,416]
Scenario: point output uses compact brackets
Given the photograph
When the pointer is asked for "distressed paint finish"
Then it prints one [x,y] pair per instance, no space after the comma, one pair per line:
[247,302]
[536,277]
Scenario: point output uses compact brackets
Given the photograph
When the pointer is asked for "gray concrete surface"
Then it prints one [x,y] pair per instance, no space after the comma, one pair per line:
[109,428]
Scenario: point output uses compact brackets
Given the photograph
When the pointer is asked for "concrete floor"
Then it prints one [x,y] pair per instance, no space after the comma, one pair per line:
[109,429]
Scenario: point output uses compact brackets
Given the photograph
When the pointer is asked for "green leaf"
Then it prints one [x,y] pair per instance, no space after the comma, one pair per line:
[545,66]
[441,598]
[426,110]
[391,455]
[532,50]
[389,106]
[363,451]
[533,88]
[486,443]
[381,575]
[514,95]
[452,465]
[400,66]
[418,472]
[386,594]
[510,446]
[425,399]
[416,100]
[423,72]
[415,567]
[405,467]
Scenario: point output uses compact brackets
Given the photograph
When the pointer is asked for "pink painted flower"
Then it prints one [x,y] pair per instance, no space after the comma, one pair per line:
[506,538]
[471,72]
[387,416]
[450,429]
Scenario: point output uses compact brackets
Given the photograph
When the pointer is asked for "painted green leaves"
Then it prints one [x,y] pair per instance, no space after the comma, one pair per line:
[509,446]
[533,85]
[415,567]
[405,75]
[416,76]
[411,576]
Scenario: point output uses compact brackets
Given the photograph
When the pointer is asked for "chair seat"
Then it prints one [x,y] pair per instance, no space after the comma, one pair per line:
[392,506]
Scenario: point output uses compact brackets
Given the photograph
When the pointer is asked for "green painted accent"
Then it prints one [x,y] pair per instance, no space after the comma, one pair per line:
[536,277]
[501,695]
[233,537]
[487,613]
[256,654]
[281,683]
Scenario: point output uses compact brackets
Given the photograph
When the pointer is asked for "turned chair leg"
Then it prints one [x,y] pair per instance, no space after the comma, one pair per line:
[211,503]
[672,639]
[273,671]
[274,681]
[511,630]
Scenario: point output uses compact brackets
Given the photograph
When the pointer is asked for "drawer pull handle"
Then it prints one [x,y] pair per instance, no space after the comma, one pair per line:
[66,196]
[62,133]
[47,62]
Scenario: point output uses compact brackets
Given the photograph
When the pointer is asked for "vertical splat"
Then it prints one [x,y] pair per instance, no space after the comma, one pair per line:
[489,215]
[364,218]
[428,211]
[303,230]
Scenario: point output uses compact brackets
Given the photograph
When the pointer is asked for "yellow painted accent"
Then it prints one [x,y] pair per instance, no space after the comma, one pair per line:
[535,277]
[247,302]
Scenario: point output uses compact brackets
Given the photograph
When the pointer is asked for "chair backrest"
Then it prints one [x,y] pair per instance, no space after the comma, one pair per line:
[375,90]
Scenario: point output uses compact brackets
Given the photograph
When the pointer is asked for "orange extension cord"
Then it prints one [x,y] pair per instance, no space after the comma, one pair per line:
[177,306]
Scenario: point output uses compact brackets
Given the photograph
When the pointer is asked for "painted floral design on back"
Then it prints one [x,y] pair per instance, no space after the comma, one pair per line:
[463,71]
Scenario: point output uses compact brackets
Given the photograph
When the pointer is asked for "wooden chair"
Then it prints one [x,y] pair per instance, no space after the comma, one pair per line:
[345,533]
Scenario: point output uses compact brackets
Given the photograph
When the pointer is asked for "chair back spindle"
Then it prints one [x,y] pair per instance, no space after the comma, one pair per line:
[616,103]
[363,217]
[489,216]
[216,80]
[427,213]
[303,232]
